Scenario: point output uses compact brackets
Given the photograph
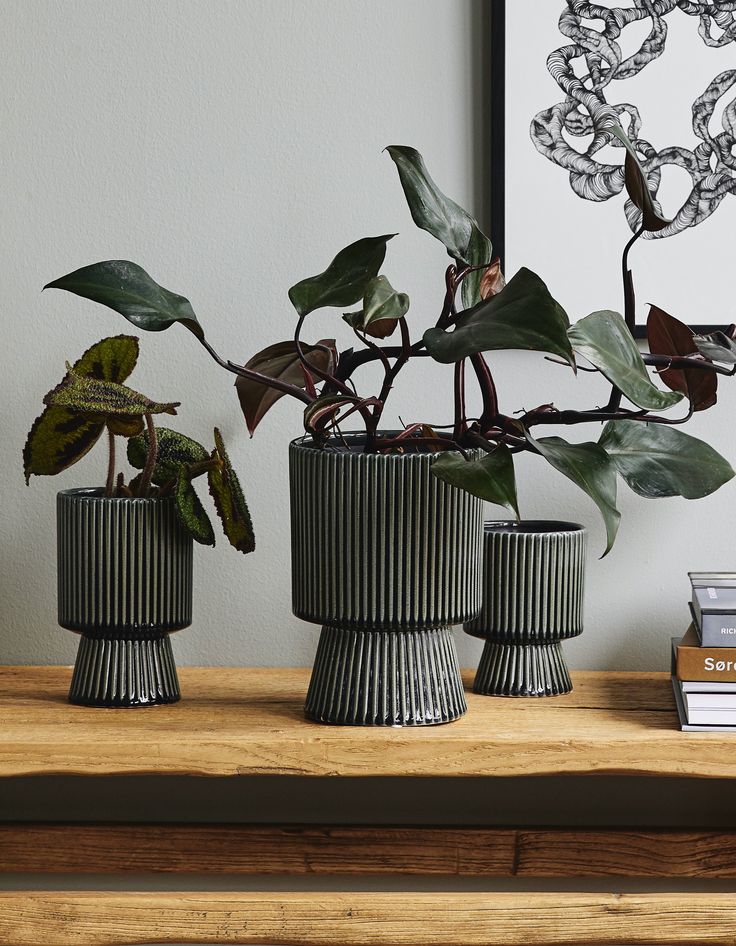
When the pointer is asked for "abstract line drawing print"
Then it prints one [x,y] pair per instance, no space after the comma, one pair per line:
[587,69]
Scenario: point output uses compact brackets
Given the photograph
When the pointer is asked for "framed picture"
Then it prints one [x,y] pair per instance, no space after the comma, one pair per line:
[667,72]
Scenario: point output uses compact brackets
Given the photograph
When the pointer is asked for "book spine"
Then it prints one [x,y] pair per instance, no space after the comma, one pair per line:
[705,664]
[717,630]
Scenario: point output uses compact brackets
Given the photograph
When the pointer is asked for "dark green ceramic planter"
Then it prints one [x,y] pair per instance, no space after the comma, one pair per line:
[124,584]
[533,578]
[386,558]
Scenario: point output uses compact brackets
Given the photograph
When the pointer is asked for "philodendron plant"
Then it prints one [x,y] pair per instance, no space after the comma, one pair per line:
[92,399]
[479,313]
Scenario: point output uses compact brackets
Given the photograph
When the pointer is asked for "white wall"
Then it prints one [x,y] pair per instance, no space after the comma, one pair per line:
[231,148]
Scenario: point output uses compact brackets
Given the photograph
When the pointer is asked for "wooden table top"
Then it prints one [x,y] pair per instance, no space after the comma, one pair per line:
[234,721]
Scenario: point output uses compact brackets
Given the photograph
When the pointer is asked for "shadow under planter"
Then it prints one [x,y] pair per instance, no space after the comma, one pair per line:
[386,557]
[124,583]
[533,577]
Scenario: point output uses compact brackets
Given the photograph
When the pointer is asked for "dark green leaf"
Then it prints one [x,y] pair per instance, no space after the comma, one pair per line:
[382,308]
[381,302]
[125,426]
[60,437]
[657,460]
[668,336]
[589,467]
[279,361]
[111,359]
[231,506]
[491,477]
[191,512]
[480,252]
[637,186]
[103,398]
[603,338]
[430,209]
[57,440]
[717,346]
[129,290]
[175,451]
[346,278]
[523,315]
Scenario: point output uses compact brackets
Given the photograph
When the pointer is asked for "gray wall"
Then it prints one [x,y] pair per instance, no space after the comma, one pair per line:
[231,148]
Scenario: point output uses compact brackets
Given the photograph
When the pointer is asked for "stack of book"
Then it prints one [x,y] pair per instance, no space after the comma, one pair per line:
[704,660]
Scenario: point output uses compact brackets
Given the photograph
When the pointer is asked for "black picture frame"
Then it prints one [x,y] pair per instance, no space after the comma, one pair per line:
[498,145]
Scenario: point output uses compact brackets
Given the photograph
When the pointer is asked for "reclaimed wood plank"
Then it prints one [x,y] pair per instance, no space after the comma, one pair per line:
[249,722]
[303,850]
[366,919]
[255,849]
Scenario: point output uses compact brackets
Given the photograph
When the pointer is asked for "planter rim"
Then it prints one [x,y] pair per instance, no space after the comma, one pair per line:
[97,493]
[356,438]
[531,527]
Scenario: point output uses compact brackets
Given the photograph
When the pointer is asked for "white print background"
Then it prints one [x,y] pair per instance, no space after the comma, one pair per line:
[575,244]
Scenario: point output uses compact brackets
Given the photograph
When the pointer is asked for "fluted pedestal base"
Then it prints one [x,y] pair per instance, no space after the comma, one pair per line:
[522,670]
[385,678]
[113,672]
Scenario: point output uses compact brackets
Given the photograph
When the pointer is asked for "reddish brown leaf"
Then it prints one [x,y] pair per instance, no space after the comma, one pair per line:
[492,281]
[279,361]
[669,336]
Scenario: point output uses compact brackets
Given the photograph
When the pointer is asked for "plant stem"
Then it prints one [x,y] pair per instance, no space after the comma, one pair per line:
[614,401]
[110,485]
[401,359]
[243,372]
[628,282]
[322,375]
[147,475]
[459,387]
[685,361]
[487,388]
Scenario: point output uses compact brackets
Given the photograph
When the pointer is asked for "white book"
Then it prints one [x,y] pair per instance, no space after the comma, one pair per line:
[702,686]
[712,717]
[686,726]
[710,701]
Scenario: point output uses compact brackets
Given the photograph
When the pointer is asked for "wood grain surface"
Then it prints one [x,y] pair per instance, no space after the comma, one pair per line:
[365,851]
[366,919]
[249,722]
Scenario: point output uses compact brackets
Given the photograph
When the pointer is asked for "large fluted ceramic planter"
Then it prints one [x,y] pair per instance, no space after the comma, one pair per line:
[124,584]
[386,557]
[533,577]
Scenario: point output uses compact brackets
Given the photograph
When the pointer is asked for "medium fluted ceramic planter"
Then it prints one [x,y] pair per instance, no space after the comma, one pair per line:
[386,557]
[533,577]
[124,584]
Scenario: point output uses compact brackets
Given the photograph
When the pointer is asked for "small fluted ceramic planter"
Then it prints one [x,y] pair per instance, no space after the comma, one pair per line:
[533,578]
[124,584]
[386,557]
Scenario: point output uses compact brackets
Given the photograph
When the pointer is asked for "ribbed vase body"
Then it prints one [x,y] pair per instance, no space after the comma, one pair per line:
[124,583]
[533,583]
[386,557]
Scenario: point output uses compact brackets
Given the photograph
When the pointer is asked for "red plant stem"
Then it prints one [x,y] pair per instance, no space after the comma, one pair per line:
[401,359]
[614,401]
[243,372]
[450,288]
[487,388]
[459,387]
[146,476]
[350,362]
[322,375]
[568,418]
[110,485]
[443,443]
[685,361]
